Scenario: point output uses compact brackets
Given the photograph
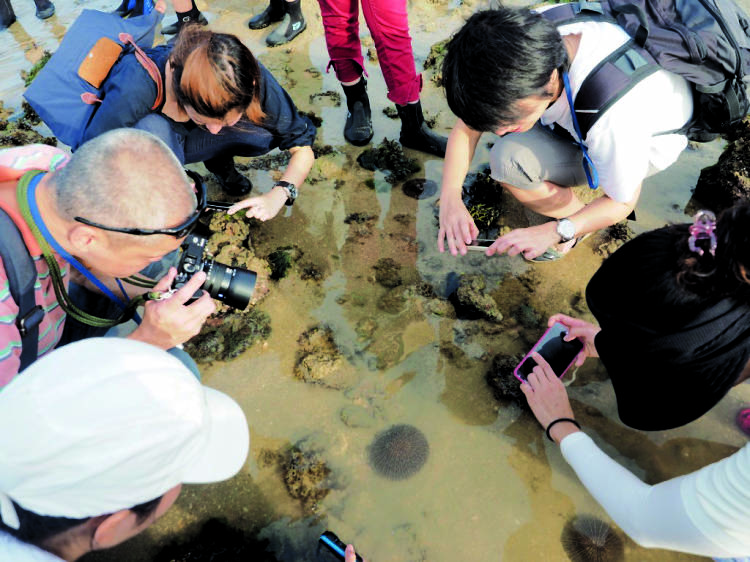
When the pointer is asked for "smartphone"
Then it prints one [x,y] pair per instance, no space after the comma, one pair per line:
[560,354]
[334,545]
[480,244]
[218,205]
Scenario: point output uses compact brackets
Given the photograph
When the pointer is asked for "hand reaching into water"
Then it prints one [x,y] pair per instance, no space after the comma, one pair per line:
[262,207]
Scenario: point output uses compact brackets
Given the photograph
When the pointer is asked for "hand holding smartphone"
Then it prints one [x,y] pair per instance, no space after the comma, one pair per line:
[335,546]
[480,244]
[560,354]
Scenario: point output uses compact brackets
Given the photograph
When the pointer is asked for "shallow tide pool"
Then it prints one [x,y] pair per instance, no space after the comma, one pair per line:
[492,488]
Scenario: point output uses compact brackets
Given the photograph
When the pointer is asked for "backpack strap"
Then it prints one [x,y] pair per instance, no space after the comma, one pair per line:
[21,271]
[148,65]
[609,81]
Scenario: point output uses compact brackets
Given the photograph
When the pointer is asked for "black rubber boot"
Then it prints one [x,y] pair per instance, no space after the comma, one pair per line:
[291,25]
[416,134]
[230,180]
[123,9]
[273,13]
[358,128]
[7,15]
[44,9]
[193,16]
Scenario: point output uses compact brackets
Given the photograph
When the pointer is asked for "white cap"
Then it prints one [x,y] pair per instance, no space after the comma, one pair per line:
[104,424]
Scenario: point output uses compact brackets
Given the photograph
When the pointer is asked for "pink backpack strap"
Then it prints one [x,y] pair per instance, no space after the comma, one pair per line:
[148,65]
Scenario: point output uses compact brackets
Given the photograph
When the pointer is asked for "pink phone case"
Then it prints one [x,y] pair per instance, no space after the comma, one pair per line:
[537,345]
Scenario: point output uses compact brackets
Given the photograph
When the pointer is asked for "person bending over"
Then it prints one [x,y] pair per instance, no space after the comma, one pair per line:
[704,513]
[219,102]
[503,73]
[389,25]
[673,307]
[104,434]
[123,179]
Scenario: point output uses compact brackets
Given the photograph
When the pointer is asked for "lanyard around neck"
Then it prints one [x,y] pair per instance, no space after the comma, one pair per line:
[592,176]
[48,239]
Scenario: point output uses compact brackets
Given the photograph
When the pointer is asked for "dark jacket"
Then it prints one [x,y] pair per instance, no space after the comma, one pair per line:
[128,94]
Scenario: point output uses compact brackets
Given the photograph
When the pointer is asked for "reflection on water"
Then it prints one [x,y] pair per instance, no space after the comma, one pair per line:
[492,487]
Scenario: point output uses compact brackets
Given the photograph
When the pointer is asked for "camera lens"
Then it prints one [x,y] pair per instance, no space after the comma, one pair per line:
[233,286]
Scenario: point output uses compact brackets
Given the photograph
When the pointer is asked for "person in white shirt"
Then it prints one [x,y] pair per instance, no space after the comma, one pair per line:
[504,73]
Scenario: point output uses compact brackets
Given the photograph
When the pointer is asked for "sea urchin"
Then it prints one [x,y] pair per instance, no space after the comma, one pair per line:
[588,539]
[398,452]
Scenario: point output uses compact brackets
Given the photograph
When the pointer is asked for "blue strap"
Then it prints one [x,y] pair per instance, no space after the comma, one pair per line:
[31,194]
[592,176]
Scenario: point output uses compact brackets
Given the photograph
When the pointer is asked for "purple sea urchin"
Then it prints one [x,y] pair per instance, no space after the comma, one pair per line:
[588,539]
[398,452]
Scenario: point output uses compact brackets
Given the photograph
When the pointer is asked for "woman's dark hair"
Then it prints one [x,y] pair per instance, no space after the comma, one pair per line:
[37,529]
[496,59]
[728,272]
[215,73]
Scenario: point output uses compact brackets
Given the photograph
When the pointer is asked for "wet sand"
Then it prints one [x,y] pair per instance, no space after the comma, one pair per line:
[493,488]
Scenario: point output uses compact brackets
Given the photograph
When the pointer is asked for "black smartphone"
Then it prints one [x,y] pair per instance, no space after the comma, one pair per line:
[480,244]
[218,205]
[333,544]
[560,354]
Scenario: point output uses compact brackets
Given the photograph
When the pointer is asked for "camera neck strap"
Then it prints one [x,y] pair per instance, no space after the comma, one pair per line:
[26,196]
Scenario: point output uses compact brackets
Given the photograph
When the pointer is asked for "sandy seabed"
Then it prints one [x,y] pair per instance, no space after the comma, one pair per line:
[492,487]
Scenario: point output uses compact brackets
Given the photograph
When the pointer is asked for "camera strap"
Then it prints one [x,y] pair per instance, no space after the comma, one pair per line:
[25,192]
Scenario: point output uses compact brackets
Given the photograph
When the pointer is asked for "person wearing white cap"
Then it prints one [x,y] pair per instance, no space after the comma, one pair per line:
[99,437]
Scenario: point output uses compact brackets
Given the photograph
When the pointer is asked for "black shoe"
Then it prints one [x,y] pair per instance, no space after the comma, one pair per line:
[230,180]
[7,15]
[292,25]
[174,28]
[273,13]
[358,128]
[416,134]
[44,9]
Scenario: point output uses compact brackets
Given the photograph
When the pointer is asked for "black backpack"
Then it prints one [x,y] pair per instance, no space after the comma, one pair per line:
[21,272]
[707,42]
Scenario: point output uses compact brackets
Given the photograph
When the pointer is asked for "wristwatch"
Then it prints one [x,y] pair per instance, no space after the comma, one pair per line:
[291,191]
[566,230]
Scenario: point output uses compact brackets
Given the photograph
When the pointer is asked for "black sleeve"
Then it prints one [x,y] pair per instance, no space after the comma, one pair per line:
[289,128]
[127,96]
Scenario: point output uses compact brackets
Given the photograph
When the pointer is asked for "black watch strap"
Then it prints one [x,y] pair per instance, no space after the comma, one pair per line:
[291,191]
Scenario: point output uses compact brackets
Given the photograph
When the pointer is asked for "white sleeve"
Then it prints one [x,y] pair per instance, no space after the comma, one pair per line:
[654,516]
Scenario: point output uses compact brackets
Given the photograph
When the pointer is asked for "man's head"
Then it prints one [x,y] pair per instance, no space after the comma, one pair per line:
[123,178]
[100,435]
[502,69]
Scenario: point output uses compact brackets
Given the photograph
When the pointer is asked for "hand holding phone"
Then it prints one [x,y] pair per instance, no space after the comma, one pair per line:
[335,546]
[480,244]
[560,354]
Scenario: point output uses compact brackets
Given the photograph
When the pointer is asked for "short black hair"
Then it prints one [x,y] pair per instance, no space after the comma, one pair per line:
[496,59]
[37,529]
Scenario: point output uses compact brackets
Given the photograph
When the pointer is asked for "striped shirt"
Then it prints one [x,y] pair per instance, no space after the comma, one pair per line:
[13,162]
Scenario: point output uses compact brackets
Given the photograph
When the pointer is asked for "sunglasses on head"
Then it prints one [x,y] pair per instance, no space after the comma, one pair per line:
[179,231]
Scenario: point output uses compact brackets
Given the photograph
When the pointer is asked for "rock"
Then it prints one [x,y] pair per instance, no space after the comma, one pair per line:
[319,360]
[226,336]
[388,273]
[728,181]
[472,302]
[393,301]
[389,156]
[419,188]
[306,475]
[357,416]
[505,386]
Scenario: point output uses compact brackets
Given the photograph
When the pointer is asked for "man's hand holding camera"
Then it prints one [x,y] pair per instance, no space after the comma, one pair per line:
[170,322]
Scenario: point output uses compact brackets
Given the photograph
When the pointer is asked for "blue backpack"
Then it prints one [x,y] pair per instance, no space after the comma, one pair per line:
[67,89]
[707,42]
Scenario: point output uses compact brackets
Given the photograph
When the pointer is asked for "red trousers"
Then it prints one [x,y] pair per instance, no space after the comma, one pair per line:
[389,26]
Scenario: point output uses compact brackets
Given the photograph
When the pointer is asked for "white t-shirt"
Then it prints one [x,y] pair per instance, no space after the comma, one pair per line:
[13,550]
[623,143]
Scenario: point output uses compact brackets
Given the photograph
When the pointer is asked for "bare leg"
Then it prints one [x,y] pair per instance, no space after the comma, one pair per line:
[548,199]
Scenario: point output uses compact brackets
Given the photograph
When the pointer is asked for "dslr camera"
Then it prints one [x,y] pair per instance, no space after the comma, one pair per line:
[231,285]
